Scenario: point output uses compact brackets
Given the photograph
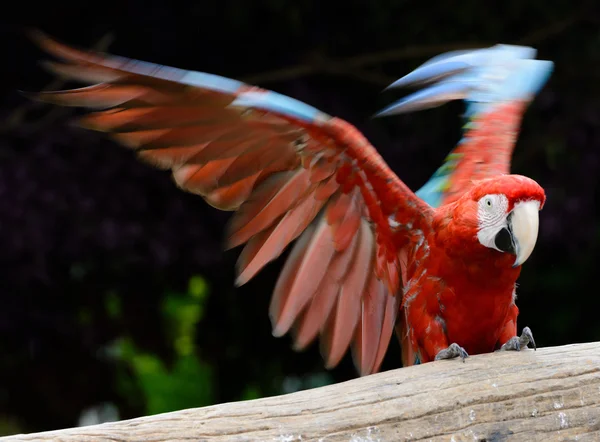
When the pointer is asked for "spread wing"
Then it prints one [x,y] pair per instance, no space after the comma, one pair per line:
[497,83]
[287,170]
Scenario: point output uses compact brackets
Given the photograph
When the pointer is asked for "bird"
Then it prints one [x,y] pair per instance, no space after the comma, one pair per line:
[370,258]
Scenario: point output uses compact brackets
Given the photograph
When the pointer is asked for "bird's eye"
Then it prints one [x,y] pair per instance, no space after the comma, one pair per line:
[488,202]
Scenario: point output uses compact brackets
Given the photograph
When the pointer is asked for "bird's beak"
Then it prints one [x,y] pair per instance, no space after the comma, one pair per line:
[524,223]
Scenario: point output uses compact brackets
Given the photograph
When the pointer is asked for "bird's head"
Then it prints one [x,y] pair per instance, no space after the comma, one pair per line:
[504,213]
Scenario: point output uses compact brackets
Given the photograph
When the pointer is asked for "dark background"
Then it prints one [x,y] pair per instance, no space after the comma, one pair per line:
[116,298]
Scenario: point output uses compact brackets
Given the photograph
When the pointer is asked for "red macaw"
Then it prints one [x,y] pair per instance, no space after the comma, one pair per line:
[370,255]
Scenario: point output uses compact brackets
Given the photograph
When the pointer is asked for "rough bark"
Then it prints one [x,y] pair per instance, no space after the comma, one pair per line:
[552,394]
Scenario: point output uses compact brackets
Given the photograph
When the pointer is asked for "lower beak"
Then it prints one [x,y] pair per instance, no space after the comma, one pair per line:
[524,223]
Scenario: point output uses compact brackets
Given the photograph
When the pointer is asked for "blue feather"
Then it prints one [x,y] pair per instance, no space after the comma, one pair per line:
[211,81]
[430,74]
[433,190]
[272,101]
[497,74]
[260,99]
[430,97]
[183,76]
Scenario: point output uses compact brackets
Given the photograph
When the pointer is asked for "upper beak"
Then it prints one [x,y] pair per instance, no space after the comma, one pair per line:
[524,222]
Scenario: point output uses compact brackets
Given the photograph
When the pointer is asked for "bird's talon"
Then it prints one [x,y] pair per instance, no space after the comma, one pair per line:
[516,343]
[512,344]
[453,351]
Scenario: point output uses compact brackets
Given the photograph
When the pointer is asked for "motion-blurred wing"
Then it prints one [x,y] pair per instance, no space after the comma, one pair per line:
[287,170]
[497,83]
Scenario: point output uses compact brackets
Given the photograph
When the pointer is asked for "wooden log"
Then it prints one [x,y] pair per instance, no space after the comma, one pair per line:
[552,394]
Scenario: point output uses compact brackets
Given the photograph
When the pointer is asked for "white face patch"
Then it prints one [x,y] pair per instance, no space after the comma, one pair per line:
[491,214]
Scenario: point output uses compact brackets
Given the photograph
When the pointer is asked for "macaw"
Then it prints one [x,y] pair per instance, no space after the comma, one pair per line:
[371,257]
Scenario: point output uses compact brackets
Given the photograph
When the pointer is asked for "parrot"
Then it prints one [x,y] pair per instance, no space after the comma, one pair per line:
[370,258]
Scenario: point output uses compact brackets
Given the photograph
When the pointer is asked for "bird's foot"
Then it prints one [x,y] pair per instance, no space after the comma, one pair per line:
[453,351]
[516,343]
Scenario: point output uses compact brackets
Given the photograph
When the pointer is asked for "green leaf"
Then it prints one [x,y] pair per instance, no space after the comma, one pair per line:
[189,383]
[198,288]
[112,304]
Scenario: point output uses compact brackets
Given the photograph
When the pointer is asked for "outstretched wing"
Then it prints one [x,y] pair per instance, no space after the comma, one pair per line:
[288,171]
[497,83]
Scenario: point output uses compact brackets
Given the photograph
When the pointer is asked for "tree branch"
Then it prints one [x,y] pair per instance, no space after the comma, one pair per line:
[549,395]
[347,66]
[552,29]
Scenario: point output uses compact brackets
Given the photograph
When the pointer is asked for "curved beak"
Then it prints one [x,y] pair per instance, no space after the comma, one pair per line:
[524,223]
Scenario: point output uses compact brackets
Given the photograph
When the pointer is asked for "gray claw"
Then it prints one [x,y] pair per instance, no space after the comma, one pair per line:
[516,343]
[453,351]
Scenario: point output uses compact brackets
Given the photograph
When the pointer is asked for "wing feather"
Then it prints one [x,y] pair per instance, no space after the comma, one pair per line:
[315,316]
[313,268]
[342,323]
[287,171]
[271,199]
[368,334]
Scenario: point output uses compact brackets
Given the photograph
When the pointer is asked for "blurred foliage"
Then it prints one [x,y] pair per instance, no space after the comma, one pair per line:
[100,253]
[188,381]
